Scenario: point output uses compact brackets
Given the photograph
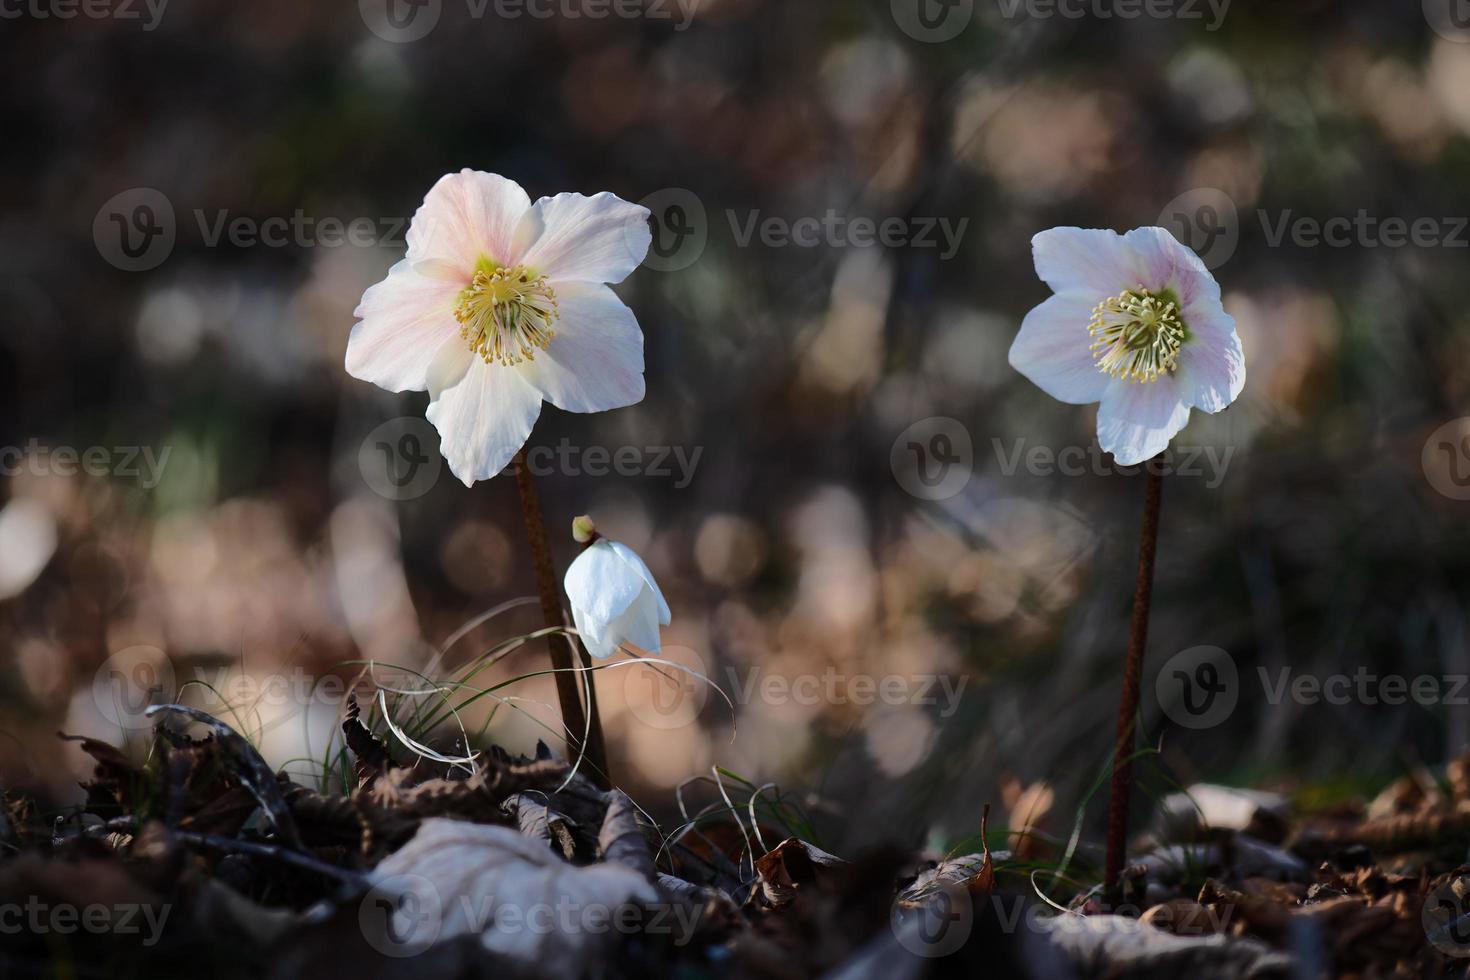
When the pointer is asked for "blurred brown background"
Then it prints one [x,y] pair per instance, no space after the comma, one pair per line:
[793,541]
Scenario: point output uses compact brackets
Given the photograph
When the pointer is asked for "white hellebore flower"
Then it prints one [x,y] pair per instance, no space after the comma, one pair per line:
[1136,324]
[500,303]
[615,599]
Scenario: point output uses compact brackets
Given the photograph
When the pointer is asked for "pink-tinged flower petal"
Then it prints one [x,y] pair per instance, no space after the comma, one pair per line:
[1212,365]
[1090,260]
[405,319]
[1211,369]
[587,239]
[595,361]
[467,215]
[1164,262]
[1136,420]
[1053,349]
[484,420]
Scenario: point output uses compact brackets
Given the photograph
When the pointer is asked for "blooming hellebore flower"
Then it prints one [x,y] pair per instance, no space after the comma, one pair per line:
[1135,324]
[615,599]
[501,303]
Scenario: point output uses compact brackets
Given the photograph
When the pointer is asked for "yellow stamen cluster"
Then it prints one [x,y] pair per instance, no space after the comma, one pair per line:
[506,314]
[1137,335]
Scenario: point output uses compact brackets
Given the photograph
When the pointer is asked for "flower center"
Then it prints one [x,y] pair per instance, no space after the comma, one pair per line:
[1137,334]
[506,313]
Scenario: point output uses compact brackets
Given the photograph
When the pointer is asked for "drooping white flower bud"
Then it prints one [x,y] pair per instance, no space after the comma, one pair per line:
[615,600]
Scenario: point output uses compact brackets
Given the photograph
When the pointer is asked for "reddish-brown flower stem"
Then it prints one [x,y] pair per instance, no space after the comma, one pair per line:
[1132,673]
[564,653]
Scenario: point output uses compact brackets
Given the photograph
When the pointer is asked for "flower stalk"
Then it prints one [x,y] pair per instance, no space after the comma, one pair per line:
[1123,748]
[566,660]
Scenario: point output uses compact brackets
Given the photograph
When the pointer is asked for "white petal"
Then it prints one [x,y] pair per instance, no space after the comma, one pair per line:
[633,560]
[595,361]
[638,625]
[449,365]
[1136,420]
[405,319]
[600,583]
[592,635]
[1053,349]
[1164,262]
[589,239]
[440,269]
[484,420]
[1212,365]
[1092,260]
[467,215]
